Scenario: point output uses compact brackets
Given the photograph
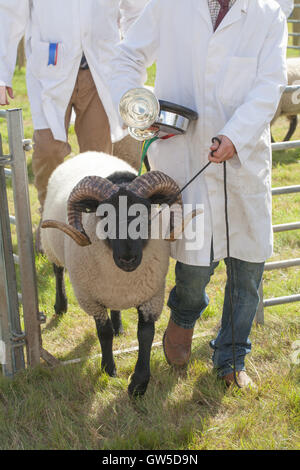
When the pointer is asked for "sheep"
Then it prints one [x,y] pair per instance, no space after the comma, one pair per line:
[286,106]
[115,273]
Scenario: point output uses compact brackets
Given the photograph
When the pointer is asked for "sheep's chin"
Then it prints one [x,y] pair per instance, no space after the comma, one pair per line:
[127,269]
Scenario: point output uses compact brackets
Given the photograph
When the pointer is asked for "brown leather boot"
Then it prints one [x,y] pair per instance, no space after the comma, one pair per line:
[177,343]
[242,378]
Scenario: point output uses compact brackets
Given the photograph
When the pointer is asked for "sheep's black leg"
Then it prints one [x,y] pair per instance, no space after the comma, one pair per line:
[116,319]
[141,376]
[293,125]
[61,301]
[105,334]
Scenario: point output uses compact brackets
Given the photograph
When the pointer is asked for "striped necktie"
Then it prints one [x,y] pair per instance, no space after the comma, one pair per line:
[223,11]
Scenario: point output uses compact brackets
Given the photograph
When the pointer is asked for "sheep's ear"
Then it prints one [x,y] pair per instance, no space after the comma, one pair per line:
[87,205]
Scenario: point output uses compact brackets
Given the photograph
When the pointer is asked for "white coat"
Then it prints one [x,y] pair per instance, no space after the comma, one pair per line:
[287,6]
[234,79]
[89,26]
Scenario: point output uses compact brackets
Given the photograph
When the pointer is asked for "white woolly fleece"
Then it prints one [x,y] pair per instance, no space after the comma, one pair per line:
[289,106]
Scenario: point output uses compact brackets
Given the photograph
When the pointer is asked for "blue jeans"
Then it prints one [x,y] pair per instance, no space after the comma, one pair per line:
[188,300]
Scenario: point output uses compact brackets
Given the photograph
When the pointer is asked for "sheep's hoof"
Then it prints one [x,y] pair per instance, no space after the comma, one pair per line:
[137,388]
[61,306]
[118,331]
[109,369]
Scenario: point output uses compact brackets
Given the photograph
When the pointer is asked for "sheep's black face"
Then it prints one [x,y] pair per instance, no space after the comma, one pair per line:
[127,228]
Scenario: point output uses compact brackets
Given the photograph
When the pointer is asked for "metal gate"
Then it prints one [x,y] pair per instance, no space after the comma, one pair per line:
[281,228]
[294,20]
[12,337]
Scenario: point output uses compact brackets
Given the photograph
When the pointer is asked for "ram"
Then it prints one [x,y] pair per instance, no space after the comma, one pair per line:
[289,105]
[112,272]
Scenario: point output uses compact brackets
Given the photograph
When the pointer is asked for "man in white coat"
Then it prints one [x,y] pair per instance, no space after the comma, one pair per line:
[226,60]
[69,46]
[287,6]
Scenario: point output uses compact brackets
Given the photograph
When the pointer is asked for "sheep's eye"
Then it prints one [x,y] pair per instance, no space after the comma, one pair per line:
[87,205]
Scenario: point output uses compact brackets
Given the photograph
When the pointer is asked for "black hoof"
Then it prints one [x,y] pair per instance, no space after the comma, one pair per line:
[109,369]
[61,307]
[118,331]
[137,389]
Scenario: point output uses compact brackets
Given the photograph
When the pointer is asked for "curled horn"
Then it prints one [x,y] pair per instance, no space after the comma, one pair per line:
[156,183]
[160,184]
[89,188]
[80,238]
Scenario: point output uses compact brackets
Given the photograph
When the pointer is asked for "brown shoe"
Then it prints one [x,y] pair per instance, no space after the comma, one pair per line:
[177,342]
[242,378]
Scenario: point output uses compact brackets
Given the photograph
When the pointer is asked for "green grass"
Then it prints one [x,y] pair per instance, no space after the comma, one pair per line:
[77,407]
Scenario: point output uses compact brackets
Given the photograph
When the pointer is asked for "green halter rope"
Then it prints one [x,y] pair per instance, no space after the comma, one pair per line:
[146,146]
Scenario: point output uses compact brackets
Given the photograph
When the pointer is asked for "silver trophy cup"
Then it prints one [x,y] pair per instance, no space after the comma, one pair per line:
[148,117]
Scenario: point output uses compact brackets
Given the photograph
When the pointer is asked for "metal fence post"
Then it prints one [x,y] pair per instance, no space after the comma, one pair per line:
[296,26]
[25,238]
[10,327]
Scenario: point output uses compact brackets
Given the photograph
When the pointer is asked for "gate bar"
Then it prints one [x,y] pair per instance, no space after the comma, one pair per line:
[10,327]
[286,227]
[282,300]
[285,190]
[282,264]
[25,238]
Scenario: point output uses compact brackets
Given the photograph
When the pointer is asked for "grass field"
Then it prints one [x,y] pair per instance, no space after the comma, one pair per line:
[77,407]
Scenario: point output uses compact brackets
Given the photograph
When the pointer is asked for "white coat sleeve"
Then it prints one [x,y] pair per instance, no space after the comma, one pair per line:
[135,53]
[287,6]
[249,121]
[129,12]
[14,16]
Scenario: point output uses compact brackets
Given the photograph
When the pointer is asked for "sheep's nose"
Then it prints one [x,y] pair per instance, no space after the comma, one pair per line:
[128,260]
